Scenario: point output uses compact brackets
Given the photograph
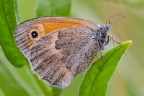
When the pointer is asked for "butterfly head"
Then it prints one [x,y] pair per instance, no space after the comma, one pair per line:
[102,34]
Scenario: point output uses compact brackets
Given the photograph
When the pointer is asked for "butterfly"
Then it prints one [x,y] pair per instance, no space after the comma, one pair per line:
[59,48]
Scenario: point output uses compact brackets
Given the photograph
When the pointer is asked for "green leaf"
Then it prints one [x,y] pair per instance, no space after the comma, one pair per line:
[8,23]
[97,77]
[8,84]
[53,8]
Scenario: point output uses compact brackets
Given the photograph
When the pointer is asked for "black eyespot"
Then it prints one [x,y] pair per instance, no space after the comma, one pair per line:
[102,40]
[34,34]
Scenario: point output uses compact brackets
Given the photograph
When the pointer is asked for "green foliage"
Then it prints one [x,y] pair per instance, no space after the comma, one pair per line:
[53,8]
[97,77]
[21,81]
[8,23]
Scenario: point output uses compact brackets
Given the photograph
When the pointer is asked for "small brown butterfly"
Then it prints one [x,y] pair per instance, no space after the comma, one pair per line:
[59,48]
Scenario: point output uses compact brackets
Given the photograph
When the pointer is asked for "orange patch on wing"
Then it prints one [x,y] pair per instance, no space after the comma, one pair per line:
[48,24]
[59,23]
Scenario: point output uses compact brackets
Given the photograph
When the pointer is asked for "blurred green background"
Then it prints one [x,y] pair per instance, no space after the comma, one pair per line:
[127,80]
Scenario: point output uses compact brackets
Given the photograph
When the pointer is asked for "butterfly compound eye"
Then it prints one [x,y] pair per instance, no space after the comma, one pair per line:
[34,34]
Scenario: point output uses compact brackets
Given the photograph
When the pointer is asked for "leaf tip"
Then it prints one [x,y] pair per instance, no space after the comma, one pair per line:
[128,42]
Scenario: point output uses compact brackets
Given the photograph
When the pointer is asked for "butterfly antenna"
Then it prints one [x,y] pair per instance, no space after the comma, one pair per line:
[117,15]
